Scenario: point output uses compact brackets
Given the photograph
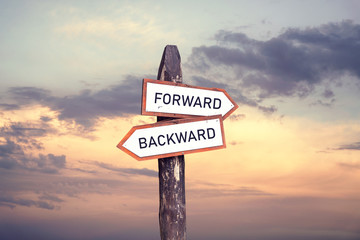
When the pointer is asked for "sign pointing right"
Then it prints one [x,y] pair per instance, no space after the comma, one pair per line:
[168,99]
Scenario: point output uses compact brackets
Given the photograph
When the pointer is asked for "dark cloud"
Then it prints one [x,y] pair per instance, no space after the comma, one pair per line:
[328,93]
[7,163]
[351,146]
[268,110]
[18,138]
[12,203]
[8,107]
[291,64]
[83,170]
[45,118]
[324,103]
[49,163]
[13,156]
[9,152]
[237,117]
[204,82]
[50,197]
[22,130]
[28,95]
[86,107]
[235,94]
[9,148]
[26,134]
[128,171]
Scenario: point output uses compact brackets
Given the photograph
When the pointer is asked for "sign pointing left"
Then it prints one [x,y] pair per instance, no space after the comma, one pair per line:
[175,137]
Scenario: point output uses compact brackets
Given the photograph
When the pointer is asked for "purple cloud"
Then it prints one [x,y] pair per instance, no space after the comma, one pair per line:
[291,64]
[86,107]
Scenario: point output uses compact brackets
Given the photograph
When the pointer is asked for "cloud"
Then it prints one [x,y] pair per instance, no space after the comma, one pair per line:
[17,139]
[351,146]
[323,103]
[83,170]
[12,203]
[234,93]
[328,93]
[28,95]
[291,64]
[8,152]
[237,117]
[128,171]
[22,131]
[12,156]
[23,135]
[268,110]
[8,107]
[50,197]
[86,107]
[45,118]
[49,163]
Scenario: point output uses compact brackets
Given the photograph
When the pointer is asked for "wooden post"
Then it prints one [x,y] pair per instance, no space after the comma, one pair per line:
[172,210]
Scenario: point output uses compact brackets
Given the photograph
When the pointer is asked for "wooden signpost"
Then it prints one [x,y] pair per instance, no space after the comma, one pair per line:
[190,119]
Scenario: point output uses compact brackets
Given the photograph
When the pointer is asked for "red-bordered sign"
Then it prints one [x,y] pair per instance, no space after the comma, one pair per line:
[174,137]
[168,99]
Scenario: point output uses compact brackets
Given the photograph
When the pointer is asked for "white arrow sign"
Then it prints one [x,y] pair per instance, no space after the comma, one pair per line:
[175,137]
[168,99]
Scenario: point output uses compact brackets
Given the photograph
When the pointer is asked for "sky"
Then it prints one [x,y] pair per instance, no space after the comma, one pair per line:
[70,89]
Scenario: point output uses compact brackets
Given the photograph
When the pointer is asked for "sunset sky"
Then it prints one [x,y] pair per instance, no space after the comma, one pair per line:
[70,89]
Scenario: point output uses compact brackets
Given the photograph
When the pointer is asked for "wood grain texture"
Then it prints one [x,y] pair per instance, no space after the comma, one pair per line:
[172,210]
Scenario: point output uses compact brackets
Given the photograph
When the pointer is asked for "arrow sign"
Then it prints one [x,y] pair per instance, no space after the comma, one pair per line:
[168,99]
[173,138]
